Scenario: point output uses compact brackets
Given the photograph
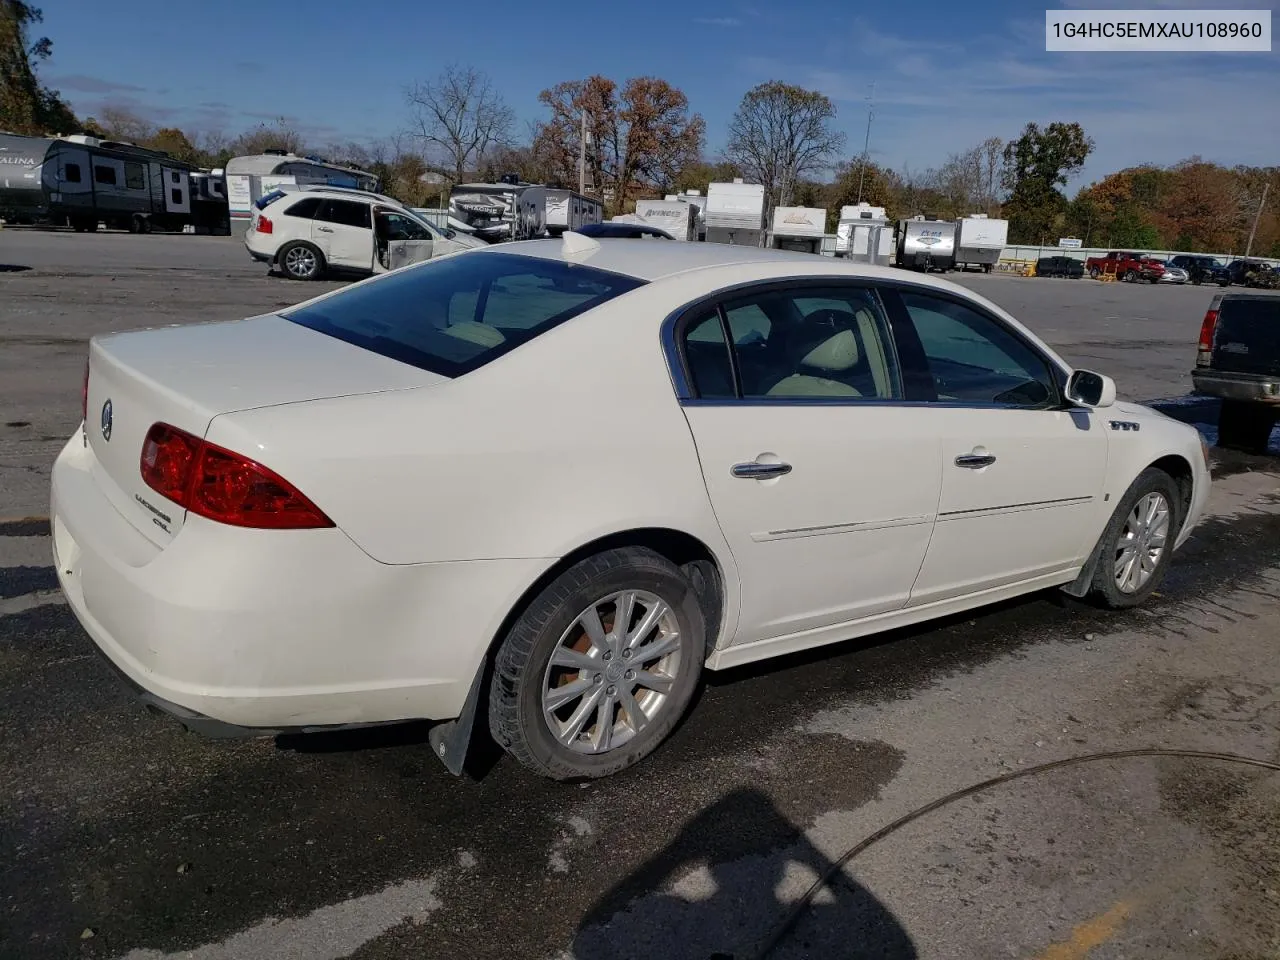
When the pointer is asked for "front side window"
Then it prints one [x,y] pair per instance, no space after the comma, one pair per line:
[135,177]
[396,226]
[795,344]
[104,175]
[973,358]
[454,315]
[347,213]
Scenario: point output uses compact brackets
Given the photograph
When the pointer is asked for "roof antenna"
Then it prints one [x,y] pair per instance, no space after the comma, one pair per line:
[576,245]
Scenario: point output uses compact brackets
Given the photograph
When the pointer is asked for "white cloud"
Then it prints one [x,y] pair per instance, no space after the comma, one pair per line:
[935,98]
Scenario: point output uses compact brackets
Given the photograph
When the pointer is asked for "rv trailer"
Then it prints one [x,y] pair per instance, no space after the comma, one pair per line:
[864,234]
[695,199]
[926,244]
[677,218]
[494,212]
[979,240]
[248,179]
[84,181]
[798,228]
[568,210]
[735,213]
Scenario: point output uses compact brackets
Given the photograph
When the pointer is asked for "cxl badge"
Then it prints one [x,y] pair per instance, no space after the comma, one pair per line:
[106,420]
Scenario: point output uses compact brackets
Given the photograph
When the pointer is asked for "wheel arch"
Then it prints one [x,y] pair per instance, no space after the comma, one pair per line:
[452,741]
[1176,466]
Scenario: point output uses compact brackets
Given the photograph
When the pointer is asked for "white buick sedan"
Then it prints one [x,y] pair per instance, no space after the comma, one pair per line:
[537,489]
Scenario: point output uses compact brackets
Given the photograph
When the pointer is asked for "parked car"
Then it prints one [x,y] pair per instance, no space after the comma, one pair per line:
[1130,267]
[1060,266]
[541,486]
[1201,269]
[1250,273]
[624,231]
[1173,274]
[309,233]
[1238,359]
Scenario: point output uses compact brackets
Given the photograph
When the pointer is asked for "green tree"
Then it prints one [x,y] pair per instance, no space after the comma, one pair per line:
[26,106]
[1035,166]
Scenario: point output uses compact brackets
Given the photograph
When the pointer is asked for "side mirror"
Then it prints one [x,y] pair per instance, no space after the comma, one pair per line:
[1089,389]
[450,233]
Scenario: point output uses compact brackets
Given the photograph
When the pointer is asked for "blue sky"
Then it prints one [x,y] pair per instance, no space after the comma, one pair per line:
[947,75]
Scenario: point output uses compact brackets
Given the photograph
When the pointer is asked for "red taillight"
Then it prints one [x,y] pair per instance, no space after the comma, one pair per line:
[1205,351]
[84,394]
[222,485]
[263,225]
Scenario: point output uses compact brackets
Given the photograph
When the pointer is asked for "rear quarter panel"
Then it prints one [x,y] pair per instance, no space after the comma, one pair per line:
[573,436]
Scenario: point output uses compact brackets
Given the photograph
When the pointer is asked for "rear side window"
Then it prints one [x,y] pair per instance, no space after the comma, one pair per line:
[346,212]
[305,209]
[454,315]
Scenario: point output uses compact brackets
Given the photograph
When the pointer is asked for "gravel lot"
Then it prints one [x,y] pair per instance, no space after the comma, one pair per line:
[121,836]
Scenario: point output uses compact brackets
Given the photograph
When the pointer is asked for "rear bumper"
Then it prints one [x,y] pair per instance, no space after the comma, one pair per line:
[246,632]
[1251,387]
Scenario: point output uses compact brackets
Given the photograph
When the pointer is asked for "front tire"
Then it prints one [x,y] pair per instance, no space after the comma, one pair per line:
[573,696]
[1130,276]
[1094,273]
[1135,549]
[301,261]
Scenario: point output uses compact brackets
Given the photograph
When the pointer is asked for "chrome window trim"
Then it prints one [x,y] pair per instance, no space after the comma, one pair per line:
[687,397]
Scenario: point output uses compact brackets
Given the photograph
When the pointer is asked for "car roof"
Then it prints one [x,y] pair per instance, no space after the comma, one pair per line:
[649,261]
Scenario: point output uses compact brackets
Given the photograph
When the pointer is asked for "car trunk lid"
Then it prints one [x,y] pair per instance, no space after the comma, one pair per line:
[187,375]
[1247,336]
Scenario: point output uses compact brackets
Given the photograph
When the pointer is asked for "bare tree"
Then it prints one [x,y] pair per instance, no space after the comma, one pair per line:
[991,161]
[459,117]
[781,133]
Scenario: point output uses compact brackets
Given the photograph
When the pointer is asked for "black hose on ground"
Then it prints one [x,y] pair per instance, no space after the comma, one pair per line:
[779,933]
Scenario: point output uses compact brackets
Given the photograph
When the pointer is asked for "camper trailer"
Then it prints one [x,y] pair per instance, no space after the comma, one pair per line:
[567,210]
[798,228]
[979,240]
[677,218]
[248,179]
[511,210]
[735,213]
[864,234]
[695,199]
[925,243]
[209,210]
[84,181]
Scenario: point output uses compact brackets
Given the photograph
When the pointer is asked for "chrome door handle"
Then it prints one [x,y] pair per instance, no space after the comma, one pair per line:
[975,461]
[760,471]
[325,229]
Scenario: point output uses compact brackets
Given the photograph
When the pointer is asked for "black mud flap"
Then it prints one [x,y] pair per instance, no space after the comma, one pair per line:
[451,741]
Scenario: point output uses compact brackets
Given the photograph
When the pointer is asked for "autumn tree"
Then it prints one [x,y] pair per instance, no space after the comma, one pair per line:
[277,135]
[1035,166]
[458,117]
[26,105]
[700,174]
[640,137]
[878,189]
[781,133]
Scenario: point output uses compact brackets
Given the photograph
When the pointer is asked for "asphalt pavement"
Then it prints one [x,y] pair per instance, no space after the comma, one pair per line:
[122,836]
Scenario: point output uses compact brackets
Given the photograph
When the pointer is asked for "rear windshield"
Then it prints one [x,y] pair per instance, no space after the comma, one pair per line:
[458,313]
[267,199]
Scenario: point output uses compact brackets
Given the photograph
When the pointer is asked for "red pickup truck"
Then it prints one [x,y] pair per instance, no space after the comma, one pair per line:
[1127,266]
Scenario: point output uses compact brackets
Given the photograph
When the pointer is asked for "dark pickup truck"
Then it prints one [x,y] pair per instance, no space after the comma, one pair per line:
[1239,360]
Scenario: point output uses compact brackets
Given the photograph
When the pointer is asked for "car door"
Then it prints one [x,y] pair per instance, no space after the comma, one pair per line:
[1022,471]
[407,240]
[824,487]
[343,230]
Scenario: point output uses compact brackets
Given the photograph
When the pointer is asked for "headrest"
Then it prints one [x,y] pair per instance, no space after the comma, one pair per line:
[836,353]
[481,334]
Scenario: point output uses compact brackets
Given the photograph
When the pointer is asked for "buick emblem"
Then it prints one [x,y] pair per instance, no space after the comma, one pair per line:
[106,421]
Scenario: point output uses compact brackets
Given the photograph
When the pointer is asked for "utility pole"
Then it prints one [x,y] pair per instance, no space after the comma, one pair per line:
[866,144]
[1256,217]
[582,155]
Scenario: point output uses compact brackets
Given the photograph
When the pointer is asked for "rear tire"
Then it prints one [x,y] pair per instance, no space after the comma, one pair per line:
[1245,426]
[1124,543]
[300,260]
[1130,276]
[593,660]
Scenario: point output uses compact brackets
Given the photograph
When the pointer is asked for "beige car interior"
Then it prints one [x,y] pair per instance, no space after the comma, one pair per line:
[825,368]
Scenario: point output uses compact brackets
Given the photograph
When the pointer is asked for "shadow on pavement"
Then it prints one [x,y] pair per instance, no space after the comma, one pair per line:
[757,864]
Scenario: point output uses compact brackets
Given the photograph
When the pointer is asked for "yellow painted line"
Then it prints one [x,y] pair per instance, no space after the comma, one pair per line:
[1090,934]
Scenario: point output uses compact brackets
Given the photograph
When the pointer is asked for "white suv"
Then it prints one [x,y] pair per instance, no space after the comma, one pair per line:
[309,232]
